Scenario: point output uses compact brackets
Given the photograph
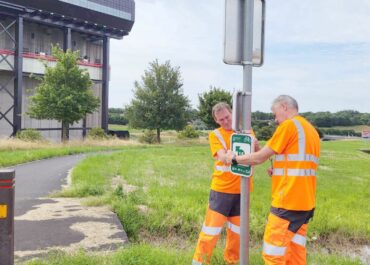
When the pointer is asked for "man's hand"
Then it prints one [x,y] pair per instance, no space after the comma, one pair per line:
[228,157]
[256,145]
[270,170]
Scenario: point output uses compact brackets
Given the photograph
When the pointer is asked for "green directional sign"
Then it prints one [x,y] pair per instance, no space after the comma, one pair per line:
[241,144]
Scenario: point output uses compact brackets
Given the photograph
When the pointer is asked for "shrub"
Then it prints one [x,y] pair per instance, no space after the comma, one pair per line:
[149,137]
[97,134]
[188,132]
[114,118]
[198,124]
[29,135]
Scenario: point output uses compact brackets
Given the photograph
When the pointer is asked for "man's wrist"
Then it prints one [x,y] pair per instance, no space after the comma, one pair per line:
[233,160]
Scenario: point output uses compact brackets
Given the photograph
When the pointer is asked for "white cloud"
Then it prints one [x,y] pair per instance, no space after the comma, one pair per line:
[315,51]
[318,21]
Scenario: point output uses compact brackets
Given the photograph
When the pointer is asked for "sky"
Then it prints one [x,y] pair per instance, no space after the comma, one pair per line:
[316,51]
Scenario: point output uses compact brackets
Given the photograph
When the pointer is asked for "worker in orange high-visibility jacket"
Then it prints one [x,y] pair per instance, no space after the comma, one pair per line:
[296,146]
[224,199]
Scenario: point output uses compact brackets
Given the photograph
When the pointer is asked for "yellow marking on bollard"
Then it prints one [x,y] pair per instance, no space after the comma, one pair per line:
[3,211]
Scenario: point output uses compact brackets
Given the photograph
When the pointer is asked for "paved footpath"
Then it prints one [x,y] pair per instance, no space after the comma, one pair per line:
[43,224]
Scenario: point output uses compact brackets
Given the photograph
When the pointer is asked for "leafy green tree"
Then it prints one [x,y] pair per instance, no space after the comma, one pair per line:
[158,101]
[115,110]
[206,102]
[116,116]
[264,133]
[259,115]
[64,92]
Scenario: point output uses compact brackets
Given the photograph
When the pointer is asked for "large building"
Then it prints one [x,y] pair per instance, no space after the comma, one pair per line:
[27,31]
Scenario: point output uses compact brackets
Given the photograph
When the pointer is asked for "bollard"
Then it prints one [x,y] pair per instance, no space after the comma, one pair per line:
[7,217]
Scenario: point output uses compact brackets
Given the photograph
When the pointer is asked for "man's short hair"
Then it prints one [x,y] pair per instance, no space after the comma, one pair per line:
[285,99]
[220,106]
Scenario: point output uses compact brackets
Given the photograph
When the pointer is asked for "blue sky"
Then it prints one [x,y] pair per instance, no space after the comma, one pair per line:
[316,51]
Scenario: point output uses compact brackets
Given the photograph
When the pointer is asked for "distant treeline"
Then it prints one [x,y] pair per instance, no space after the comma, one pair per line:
[115,116]
[263,123]
[323,121]
[326,119]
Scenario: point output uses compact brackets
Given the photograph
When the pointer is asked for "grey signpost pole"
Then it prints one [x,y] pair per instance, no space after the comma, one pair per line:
[246,125]
[244,45]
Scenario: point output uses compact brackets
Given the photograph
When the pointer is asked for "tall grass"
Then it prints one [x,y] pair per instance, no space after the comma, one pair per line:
[164,215]
[144,254]
[14,151]
[173,189]
[175,181]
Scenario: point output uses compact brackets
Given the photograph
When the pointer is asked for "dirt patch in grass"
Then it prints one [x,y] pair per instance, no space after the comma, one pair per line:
[118,181]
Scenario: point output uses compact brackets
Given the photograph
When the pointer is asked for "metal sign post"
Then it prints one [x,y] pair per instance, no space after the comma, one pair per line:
[243,19]
[246,114]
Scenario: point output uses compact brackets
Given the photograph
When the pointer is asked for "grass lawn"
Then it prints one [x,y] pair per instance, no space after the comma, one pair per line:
[163,216]
[14,151]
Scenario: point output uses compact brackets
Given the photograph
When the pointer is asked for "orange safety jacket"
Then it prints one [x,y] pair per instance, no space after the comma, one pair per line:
[222,178]
[297,147]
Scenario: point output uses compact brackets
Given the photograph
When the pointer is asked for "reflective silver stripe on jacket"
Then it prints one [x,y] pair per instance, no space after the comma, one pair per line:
[273,250]
[301,140]
[301,172]
[219,137]
[294,157]
[196,262]
[301,156]
[299,240]
[294,172]
[278,172]
[223,168]
[234,228]
[222,141]
[212,231]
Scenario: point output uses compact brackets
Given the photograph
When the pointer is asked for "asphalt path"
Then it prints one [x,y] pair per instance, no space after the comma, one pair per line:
[43,223]
[38,179]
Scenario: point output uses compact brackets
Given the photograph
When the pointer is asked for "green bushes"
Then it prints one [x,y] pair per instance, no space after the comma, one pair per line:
[97,134]
[332,131]
[148,137]
[29,135]
[188,132]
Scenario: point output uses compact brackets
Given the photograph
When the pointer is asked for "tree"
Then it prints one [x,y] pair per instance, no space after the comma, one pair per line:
[116,116]
[158,101]
[64,92]
[207,100]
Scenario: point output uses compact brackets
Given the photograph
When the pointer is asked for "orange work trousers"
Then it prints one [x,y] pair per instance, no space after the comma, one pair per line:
[210,233]
[282,246]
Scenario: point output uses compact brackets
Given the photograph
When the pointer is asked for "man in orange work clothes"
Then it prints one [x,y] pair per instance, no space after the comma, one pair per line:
[296,146]
[224,199]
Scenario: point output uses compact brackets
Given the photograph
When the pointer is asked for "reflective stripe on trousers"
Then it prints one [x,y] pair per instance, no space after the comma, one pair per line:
[210,234]
[281,246]
[234,228]
[211,231]
[280,251]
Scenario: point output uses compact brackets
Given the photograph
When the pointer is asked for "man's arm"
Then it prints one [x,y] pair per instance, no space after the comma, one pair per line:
[221,155]
[251,159]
